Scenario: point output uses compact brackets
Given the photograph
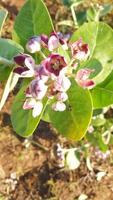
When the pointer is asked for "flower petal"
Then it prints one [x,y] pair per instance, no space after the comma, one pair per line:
[37,109]
[44,40]
[29,103]
[20,70]
[27,74]
[89,84]
[20,58]
[62,84]
[53,43]
[30,63]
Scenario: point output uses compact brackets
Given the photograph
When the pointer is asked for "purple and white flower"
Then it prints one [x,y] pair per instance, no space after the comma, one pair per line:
[37,89]
[62,84]
[82,78]
[36,106]
[55,40]
[79,50]
[54,64]
[34,44]
[52,75]
[34,95]
[25,65]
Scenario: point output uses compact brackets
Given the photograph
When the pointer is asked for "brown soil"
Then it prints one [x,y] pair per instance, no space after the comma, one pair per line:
[29,172]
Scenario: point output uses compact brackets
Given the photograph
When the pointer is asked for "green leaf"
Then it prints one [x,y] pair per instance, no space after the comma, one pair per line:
[73,122]
[96,140]
[81,17]
[102,94]
[97,112]
[93,14]
[99,36]
[8,49]
[22,120]
[46,116]
[33,19]
[106,8]
[97,122]
[70,2]
[3,15]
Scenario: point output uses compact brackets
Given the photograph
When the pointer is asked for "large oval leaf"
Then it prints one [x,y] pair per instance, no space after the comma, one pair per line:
[73,122]
[33,19]
[22,120]
[99,36]
[8,49]
[102,94]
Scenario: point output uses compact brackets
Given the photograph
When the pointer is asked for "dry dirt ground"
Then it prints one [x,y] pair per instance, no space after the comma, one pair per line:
[27,170]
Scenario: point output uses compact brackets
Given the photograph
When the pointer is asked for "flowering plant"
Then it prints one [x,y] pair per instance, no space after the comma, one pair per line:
[62,79]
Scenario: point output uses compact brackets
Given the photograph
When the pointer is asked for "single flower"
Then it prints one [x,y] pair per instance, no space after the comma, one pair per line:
[82,78]
[25,65]
[62,84]
[37,89]
[54,64]
[79,50]
[55,40]
[34,44]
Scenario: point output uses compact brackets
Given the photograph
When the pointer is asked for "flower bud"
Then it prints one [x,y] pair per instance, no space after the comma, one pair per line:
[34,44]
[62,96]
[59,106]
[53,43]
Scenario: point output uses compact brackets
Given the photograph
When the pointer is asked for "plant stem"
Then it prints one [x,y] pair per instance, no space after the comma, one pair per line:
[42,54]
[39,145]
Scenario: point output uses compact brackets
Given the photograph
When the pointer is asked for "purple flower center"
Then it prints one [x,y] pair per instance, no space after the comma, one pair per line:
[55,64]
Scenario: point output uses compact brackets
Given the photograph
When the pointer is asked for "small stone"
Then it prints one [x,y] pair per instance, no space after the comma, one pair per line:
[83,197]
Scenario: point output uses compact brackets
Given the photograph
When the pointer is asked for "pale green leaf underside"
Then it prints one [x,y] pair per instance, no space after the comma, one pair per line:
[3,15]
[8,49]
[102,94]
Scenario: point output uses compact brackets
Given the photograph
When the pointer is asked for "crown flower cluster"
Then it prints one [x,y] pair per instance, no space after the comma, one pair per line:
[51,78]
